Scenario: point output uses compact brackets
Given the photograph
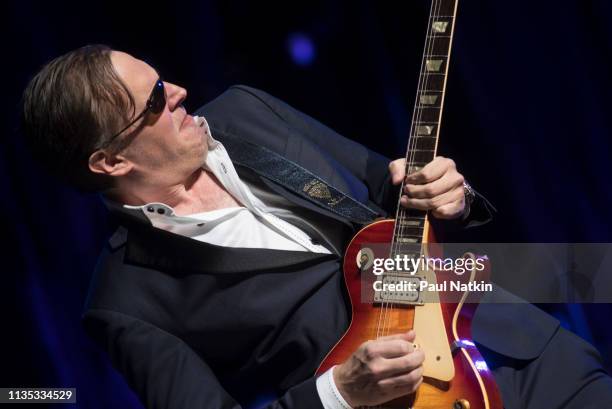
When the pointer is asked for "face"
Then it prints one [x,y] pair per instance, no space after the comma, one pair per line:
[164,149]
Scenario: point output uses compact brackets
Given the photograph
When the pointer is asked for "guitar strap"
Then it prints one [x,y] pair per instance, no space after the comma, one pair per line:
[296,179]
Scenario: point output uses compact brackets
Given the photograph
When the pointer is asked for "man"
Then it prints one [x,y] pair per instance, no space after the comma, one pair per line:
[222,284]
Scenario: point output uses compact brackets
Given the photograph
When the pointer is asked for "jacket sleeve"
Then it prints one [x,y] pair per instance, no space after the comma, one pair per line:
[166,373]
[367,165]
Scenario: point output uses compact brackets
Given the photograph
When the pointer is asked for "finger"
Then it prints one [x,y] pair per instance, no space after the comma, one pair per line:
[387,347]
[394,348]
[434,202]
[408,336]
[397,169]
[387,368]
[411,381]
[449,181]
[432,171]
[451,210]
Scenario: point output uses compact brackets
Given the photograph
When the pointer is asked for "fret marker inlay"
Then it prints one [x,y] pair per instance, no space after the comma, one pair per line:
[428,99]
[439,26]
[433,65]
[424,130]
[411,223]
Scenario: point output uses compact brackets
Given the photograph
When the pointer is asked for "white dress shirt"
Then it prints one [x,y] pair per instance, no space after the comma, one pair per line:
[251,225]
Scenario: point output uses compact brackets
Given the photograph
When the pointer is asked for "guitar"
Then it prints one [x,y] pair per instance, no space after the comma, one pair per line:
[455,376]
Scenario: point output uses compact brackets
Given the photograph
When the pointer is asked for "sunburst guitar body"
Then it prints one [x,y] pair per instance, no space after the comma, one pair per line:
[455,374]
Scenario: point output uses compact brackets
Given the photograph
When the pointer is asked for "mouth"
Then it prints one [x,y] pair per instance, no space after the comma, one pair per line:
[187,118]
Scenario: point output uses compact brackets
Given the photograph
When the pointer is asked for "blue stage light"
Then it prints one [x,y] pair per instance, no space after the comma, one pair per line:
[301,48]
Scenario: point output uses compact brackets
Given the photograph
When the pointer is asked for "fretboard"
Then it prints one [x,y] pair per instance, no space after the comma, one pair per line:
[427,115]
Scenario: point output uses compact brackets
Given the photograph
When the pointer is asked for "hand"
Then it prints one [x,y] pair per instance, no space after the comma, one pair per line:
[380,371]
[438,187]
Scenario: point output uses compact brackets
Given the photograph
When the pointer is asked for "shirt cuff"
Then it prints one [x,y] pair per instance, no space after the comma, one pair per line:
[328,393]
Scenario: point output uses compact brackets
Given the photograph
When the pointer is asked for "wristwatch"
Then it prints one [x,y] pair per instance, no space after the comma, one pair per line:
[470,195]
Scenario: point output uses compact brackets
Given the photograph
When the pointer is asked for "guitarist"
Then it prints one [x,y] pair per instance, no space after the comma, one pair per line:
[222,283]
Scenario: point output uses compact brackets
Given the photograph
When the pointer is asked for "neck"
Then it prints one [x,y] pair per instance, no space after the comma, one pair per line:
[200,192]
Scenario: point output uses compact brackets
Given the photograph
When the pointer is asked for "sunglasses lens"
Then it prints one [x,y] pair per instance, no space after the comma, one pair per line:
[158,98]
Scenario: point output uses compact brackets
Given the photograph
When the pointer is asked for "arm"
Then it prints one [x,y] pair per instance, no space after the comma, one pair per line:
[375,170]
[261,115]
[166,373]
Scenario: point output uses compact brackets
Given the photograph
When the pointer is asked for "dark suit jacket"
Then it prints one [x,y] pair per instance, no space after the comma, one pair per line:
[193,325]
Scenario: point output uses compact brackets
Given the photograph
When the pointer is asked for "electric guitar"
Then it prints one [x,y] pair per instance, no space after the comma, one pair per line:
[455,376]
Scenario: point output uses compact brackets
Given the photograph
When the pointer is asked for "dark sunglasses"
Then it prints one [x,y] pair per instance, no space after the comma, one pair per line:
[155,105]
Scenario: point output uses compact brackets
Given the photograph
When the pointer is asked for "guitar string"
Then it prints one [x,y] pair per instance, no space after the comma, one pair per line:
[435,9]
[400,225]
[424,77]
[413,143]
[384,310]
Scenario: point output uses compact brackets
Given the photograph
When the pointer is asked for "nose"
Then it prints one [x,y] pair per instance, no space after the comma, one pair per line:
[175,95]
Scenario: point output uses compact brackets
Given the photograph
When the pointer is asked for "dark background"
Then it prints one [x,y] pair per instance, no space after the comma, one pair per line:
[526,119]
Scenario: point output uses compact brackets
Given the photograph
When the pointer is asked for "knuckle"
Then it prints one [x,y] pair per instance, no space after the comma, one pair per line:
[443,211]
[413,377]
[369,350]
[451,163]
[375,369]
[405,347]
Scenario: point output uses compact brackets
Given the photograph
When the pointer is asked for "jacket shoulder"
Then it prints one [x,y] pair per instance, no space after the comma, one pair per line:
[526,328]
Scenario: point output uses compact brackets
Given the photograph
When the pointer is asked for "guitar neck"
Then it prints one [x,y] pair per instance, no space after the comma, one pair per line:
[427,115]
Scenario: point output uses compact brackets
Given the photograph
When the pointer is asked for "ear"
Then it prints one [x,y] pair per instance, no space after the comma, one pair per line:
[105,163]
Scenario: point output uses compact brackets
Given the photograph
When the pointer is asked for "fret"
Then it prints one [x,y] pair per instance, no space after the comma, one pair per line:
[399,249]
[420,156]
[427,114]
[412,214]
[424,142]
[416,166]
[438,45]
[443,8]
[438,36]
[410,231]
[431,83]
[411,222]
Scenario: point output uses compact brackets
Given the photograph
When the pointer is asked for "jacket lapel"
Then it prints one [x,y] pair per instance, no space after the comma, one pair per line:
[150,247]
